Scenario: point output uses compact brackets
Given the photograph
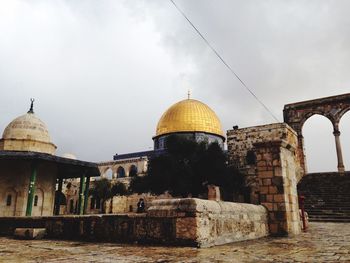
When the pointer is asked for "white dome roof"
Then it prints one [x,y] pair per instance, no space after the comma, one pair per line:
[27,127]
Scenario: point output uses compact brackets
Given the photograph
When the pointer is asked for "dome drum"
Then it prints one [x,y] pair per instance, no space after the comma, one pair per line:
[160,141]
[27,146]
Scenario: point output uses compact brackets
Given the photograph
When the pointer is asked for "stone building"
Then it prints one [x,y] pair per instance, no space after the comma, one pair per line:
[189,119]
[30,169]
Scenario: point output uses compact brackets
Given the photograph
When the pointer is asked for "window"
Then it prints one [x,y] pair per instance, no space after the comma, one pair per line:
[9,200]
[36,200]
[98,203]
[71,206]
[93,203]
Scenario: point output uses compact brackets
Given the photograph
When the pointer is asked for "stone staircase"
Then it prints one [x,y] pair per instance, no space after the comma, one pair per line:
[327,196]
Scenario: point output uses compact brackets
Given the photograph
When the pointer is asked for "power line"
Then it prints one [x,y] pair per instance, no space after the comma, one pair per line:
[224,62]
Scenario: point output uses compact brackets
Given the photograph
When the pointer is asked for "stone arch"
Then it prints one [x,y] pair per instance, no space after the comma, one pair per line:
[344,127]
[333,108]
[121,172]
[312,114]
[108,173]
[133,170]
[342,113]
[316,129]
[9,202]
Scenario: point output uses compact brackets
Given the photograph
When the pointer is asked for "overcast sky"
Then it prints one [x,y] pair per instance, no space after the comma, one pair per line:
[103,72]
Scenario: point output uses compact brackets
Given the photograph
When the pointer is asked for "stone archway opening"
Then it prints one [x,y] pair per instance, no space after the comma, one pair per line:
[108,174]
[120,172]
[133,171]
[344,127]
[319,144]
[334,107]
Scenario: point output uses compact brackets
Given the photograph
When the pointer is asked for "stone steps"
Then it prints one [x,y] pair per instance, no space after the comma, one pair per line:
[321,210]
[335,220]
[327,197]
[329,214]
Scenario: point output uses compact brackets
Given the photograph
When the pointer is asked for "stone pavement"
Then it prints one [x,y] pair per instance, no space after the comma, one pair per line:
[324,242]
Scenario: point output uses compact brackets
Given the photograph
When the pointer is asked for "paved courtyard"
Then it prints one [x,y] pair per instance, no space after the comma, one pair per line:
[324,242]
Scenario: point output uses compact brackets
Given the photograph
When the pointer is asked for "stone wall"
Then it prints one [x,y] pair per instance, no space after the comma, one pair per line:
[189,222]
[241,141]
[211,223]
[276,171]
[14,181]
[126,204]
[268,155]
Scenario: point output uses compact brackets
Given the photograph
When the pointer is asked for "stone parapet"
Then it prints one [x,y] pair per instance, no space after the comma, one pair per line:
[211,223]
[187,222]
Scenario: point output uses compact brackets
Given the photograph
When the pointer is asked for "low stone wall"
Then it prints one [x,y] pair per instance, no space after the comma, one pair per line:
[127,204]
[211,223]
[187,222]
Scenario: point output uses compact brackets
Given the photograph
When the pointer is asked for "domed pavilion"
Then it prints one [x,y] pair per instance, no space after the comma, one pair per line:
[30,170]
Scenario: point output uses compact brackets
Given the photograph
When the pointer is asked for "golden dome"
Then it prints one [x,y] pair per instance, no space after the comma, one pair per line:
[27,133]
[189,116]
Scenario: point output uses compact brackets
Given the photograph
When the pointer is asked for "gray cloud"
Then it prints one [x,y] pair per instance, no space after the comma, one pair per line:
[103,72]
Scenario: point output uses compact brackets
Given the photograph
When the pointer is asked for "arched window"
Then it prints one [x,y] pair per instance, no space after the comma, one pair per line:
[9,200]
[36,200]
[133,171]
[120,172]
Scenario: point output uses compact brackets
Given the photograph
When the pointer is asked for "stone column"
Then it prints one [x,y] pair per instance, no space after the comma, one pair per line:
[31,190]
[336,133]
[214,192]
[301,152]
[277,170]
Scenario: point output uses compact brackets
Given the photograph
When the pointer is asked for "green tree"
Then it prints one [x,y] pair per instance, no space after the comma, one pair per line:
[103,190]
[119,189]
[187,168]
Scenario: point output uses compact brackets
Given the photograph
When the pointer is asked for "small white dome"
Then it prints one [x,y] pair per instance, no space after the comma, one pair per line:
[69,156]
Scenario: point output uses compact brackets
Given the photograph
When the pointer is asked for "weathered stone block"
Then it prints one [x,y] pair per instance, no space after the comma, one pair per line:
[279,198]
[30,233]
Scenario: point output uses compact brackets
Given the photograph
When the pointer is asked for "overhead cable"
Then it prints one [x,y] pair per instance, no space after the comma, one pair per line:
[225,63]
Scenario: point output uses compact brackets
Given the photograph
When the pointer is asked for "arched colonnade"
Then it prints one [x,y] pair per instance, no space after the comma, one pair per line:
[333,108]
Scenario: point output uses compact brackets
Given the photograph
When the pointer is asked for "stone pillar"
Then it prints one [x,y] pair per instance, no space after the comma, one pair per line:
[214,192]
[31,190]
[301,152]
[86,196]
[277,171]
[81,195]
[341,168]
